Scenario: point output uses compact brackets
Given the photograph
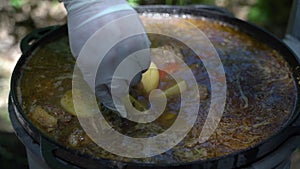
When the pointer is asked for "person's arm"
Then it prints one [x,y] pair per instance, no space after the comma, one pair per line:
[85,18]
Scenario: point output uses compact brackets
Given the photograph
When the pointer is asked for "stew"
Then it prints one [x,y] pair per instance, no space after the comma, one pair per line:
[260,94]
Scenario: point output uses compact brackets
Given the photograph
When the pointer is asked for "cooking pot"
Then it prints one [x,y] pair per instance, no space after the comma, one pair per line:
[57,156]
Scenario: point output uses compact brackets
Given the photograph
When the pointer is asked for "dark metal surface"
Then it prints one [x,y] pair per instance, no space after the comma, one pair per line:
[37,34]
[235,160]
[32,147]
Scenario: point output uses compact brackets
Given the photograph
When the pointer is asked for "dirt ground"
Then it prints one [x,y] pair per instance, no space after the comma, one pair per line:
[12,152]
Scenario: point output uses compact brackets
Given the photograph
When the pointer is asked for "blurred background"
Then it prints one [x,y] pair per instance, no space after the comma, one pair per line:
[20,17]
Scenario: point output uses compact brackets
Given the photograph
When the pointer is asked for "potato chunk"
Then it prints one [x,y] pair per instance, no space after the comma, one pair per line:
[67,102]
[43,118]
[150,78]
[85,103]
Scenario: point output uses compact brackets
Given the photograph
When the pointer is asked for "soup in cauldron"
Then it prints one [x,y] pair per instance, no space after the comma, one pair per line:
[260,94]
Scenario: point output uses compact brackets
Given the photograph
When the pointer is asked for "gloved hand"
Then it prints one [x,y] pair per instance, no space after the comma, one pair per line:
[85,17]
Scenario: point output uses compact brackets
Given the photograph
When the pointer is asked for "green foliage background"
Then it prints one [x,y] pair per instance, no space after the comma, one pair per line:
[271,14]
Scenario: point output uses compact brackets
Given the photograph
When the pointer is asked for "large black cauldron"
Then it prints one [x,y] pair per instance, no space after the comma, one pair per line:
[268,154]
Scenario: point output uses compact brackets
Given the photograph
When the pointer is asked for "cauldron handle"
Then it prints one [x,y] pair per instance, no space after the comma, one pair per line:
[51,154]
[34,36]
[48,155]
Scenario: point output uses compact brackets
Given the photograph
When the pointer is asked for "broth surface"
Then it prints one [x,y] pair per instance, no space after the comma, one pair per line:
[260,94]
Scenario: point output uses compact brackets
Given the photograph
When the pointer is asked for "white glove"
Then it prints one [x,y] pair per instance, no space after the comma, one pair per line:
[85,17]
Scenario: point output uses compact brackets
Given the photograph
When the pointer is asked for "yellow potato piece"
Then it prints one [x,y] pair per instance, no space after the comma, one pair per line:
[150,78]
[166,120]
[67,102]
[169,116]
[43,118]
[86,103]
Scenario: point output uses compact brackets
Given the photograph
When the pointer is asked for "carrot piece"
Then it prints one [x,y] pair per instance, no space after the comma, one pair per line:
[169,68]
